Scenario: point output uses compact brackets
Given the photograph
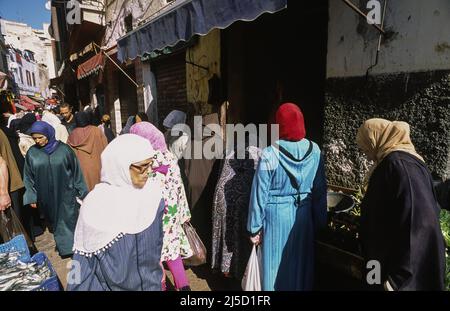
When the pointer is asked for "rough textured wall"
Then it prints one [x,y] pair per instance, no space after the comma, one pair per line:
[207,54]
[421,99]
[418,40]
[170,73]
[141,10]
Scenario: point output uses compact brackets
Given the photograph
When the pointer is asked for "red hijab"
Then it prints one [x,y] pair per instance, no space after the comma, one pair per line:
[290,119]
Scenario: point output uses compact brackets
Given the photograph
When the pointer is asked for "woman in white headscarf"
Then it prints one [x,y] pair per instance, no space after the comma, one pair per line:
[61,133]
[176,143]
[118,238]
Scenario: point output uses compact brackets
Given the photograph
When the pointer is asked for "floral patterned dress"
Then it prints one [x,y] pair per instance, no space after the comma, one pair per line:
[176,210]
[230,246]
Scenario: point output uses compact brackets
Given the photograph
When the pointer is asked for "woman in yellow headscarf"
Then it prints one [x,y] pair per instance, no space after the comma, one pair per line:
[399,214]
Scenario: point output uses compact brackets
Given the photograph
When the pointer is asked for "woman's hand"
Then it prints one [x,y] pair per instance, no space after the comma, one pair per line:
[5,201]
[33,205]
[257,239]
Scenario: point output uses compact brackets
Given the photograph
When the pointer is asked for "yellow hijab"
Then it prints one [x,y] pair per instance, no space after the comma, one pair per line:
[379,137]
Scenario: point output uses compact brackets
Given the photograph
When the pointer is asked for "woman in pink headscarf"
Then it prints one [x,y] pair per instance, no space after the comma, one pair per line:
[176,212]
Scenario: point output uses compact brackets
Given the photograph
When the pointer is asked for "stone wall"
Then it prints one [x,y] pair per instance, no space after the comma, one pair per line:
[422,99]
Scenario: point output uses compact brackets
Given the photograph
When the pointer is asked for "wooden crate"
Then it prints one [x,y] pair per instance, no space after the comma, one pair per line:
[347,262]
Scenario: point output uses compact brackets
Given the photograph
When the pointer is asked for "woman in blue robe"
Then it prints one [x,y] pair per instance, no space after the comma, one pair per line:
[53,181]
[119,234]
[288,204]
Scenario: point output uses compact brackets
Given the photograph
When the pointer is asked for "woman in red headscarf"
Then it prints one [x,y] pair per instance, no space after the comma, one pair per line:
[288,204]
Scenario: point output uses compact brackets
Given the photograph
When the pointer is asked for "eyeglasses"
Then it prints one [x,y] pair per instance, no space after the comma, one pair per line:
[141,168]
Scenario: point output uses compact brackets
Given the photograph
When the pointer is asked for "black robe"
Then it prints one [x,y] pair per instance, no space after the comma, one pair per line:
[400,224]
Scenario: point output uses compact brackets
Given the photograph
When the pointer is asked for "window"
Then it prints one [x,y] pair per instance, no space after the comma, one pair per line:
[28,77]
[34,80]
[128,23]
[21,75]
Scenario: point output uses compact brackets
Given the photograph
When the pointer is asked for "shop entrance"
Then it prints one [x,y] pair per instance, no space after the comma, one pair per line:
[127,94]
[278,58]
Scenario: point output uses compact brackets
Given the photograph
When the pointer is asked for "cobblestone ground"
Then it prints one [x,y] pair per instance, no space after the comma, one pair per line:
[201,278]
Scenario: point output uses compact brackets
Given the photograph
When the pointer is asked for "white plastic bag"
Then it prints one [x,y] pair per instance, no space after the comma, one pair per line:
[252,280]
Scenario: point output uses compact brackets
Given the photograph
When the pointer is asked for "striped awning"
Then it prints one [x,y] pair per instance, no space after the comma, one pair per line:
[182,19]
[91,66]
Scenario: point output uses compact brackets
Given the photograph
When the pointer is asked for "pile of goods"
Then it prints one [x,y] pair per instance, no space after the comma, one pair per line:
[343,224]
[19,276]
[343,221]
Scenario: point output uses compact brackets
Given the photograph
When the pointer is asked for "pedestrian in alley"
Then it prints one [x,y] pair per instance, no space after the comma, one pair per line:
[53,181]
[68,118]
[288,204]
[5,199]
[25,143]
[15,186]
[130,121]
[119,235]
[230,246]
[141,117]
[61,132]
[88,142]
[399,213]
[176,143]
[25,139]
[105,127]
[176,209]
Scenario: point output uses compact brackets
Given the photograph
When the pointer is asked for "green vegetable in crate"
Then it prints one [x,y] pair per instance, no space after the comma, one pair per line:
[445,226]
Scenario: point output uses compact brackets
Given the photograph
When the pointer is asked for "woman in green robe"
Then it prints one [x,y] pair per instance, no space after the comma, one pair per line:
[53,181]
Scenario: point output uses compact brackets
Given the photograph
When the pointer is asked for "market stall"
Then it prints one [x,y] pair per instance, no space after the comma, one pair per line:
[340,264]
[22,268]
[338,249]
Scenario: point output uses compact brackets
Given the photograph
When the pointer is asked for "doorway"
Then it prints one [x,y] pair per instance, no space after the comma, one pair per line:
[278,58]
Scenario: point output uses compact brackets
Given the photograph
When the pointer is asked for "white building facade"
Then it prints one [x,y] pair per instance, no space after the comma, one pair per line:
[25,71]
[35,50]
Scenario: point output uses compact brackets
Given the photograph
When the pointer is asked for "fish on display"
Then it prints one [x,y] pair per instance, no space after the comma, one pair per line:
[19,276]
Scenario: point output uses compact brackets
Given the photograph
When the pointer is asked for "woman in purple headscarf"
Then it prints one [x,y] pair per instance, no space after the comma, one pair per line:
[176,212]
[53,181]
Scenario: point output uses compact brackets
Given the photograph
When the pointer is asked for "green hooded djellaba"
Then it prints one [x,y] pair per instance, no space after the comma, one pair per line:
[53,180]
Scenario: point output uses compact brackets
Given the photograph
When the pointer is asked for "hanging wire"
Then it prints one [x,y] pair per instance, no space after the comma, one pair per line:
[379,41]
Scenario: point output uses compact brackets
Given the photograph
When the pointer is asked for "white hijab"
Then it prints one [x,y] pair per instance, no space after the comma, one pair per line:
[61,133]
[51,119]
[115,207]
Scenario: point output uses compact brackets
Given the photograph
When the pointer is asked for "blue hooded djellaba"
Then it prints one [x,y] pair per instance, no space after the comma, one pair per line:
[288,204]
